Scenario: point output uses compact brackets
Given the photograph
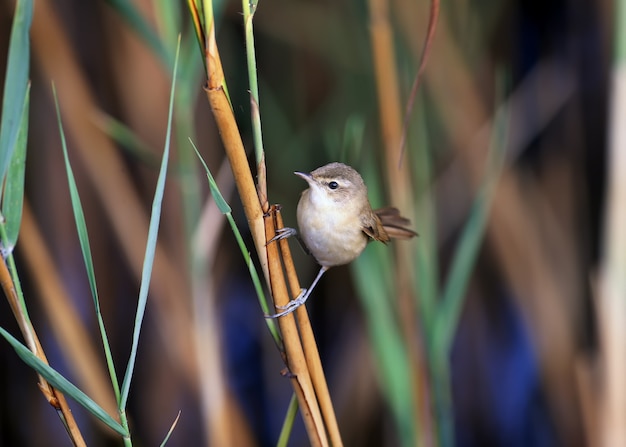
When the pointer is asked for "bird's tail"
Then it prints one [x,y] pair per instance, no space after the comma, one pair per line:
[395,225]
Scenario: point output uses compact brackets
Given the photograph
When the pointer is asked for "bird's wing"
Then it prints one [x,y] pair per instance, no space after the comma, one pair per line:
[394,224]
[373,227]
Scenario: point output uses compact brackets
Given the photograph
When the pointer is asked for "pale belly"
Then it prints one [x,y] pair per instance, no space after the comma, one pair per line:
[332,242]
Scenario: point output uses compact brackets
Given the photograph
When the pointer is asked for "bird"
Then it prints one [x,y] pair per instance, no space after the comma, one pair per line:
[336,222]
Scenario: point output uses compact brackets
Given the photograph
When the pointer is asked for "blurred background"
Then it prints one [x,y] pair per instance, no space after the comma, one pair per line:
[525,361]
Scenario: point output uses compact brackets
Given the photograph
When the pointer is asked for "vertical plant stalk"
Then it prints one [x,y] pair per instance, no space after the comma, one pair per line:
[235,151]
[311,352]
[391,126]
[261,226]
[249,8]
[399,187]
[294,353]
[54,397]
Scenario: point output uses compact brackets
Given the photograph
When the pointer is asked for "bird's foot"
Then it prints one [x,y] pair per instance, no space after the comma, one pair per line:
[283,233]
[291,305]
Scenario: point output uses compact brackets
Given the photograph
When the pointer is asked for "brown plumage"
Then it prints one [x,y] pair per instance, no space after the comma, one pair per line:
[336,221]
[394,224]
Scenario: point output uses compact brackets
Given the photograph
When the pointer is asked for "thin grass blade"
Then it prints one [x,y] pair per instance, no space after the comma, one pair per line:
[13,198]
[15,83]
[249,8]
[446,320]
[373,281]
[77,209]
[61,383]
[22,317]
[470,242]
[290,416]
[226,210]
[221,203]
[454,291]
[83,237]
[171,430]
[153,231]
[426,256]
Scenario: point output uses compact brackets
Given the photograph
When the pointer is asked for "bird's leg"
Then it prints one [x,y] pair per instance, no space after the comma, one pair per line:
[300,299]
[284,233]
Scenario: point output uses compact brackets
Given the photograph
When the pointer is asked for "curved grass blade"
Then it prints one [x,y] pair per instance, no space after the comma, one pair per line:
[221,203]
[15,83]
[83,237]
[171,430]
[61,383]
[128,141]
[13,198]
[446,321]
[470,242]
[153,231]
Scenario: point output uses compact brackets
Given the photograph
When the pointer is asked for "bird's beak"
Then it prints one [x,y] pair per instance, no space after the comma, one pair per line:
[305,176]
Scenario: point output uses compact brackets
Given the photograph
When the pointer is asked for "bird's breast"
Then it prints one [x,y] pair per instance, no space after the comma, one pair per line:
[331,232]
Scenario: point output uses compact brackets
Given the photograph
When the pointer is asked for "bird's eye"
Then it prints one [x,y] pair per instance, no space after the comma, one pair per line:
[333,185]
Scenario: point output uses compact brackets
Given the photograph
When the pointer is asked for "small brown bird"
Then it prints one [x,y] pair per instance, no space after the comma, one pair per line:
[336,221]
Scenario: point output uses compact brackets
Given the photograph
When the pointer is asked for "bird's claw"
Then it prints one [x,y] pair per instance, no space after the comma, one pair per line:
[283,233]
[297,301]
[291,305]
